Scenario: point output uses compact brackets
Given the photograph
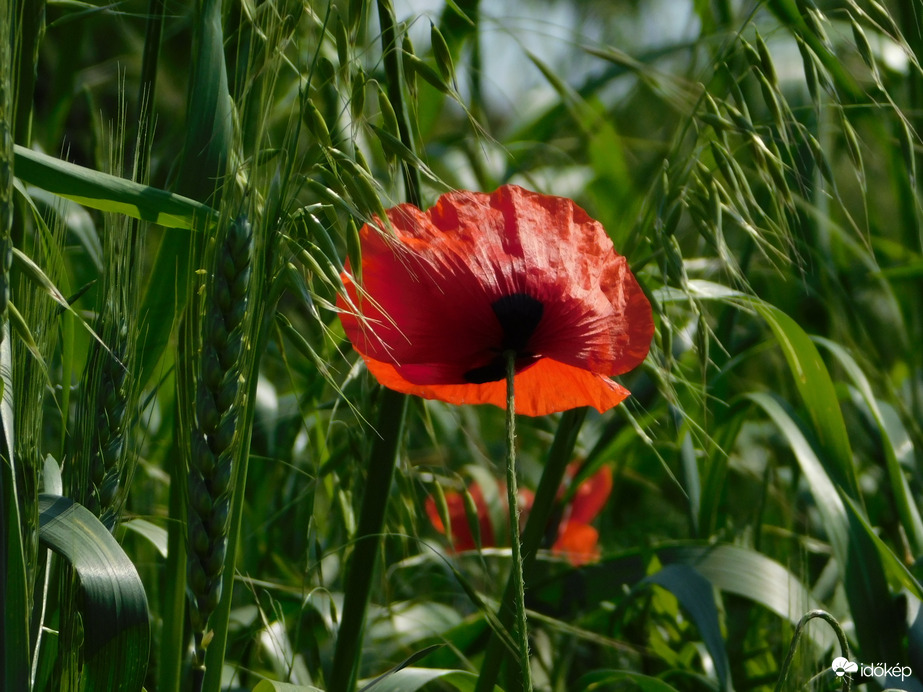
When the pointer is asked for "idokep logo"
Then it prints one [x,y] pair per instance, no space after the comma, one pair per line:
[841,666]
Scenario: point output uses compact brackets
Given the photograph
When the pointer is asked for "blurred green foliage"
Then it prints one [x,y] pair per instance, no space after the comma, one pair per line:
[755,161]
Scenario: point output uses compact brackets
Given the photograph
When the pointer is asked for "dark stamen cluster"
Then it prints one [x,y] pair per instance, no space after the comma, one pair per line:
[519,315]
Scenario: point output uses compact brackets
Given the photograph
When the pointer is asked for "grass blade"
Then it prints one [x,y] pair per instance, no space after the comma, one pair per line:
[694,592]
[14,627]
[273,686]
[413,679]
[383,457]
[906,506]
[106,192]
[818,393]
[879,625]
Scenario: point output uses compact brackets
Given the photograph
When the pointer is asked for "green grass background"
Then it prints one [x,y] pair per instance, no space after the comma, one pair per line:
[757,162]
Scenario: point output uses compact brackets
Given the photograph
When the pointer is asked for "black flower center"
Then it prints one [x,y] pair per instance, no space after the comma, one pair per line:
[519,315]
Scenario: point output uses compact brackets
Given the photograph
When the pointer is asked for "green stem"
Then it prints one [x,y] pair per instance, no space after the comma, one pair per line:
[392,61]
[799,630]
[555,466]
[359,574]
[512,494]
[173,603]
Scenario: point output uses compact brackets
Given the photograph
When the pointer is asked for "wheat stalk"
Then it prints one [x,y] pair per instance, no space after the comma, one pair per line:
[213,436]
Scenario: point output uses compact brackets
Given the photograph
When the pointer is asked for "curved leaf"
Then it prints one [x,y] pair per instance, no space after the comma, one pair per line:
[754,576]
[612,680]
[412,679]
[729,568]
[273,686]
[695,593]
[828,500]
[891,431]
[108,192]
[116,623]
[818,393]
[879,624]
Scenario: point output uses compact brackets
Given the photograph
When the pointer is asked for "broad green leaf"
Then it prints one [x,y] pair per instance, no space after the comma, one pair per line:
[209,111]
[51,477]
[808,369]
[729,568]
[412,679]
[273,686]
[114,610]
[750,574]
[826,498]
[110,193]
[614,680]
[891,562]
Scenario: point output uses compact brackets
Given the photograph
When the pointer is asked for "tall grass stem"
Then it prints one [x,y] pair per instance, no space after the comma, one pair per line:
[390,428]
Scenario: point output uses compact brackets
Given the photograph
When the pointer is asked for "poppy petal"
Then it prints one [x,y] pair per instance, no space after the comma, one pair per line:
[462,538]
[578,543]
[591,496]
[546,387]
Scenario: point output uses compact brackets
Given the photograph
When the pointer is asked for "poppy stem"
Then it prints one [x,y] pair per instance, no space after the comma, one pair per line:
[522,631]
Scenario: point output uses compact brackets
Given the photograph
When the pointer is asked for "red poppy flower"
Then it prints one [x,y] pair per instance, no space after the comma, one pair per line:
[576,539]
[444,293]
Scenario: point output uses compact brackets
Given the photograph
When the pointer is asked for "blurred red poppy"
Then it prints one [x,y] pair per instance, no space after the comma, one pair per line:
[444,293]
[575,539]
[462,538]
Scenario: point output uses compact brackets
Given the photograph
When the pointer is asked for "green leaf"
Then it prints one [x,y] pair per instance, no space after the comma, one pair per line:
[155,535]
[613,680]
[818,393]
[14,627]
[750,574]
[729,568]
[891,430]
[110,193]
[695,594]
[273,686]
[809,371]
[826,498]
[114,610]
[412,679]
[878,623]
[209,111]
[891,562]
